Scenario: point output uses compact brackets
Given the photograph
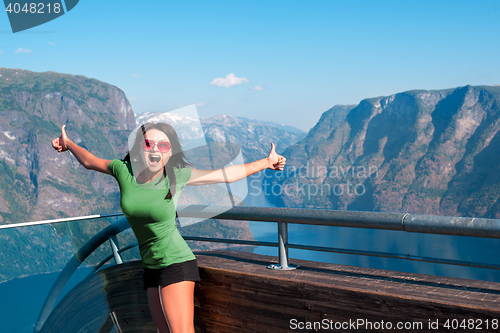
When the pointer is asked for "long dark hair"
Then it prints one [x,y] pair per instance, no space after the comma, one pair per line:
[177,160]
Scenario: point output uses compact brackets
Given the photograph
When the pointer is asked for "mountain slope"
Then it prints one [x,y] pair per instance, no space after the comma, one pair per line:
[427,152]
[254,138]
[37,183]
[42,183]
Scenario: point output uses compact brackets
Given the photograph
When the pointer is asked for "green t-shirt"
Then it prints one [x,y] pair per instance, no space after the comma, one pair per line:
[151,216]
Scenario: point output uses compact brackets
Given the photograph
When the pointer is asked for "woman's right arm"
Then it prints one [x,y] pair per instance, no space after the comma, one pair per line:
[88,160]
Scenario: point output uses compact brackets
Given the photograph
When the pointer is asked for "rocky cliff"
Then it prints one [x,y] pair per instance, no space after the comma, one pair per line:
[426,152]
[36,182]
[39,182]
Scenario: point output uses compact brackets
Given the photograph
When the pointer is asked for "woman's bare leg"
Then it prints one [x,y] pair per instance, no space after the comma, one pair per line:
[177,311]
[156,309]
[178,303]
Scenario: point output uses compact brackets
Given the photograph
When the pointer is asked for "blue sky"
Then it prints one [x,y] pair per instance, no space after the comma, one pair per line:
[291,60]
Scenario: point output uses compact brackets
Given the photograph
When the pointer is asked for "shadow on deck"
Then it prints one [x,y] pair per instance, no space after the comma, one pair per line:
[239,294]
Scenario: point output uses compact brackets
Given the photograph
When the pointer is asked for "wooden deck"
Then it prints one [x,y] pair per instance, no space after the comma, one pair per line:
[242,295]
[239,294]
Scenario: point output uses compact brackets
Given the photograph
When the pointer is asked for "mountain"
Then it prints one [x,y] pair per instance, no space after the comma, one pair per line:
[425,152]
[252,136]
[37,182]
[284,127]
[187,127]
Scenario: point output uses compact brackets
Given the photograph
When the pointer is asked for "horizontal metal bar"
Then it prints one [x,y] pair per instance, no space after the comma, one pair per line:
[348,251]
[448,225]
[372,220]
[230,241]
[66,219]
[452,225]
[395,256]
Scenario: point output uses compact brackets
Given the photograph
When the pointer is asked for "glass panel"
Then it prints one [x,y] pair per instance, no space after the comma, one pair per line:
[32,260]
[473,249]
[481,250]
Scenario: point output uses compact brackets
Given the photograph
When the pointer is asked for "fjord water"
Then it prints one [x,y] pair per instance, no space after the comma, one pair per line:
[23,298]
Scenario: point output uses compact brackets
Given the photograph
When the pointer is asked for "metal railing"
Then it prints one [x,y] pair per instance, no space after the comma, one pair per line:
[461,226]
[66,219]
[446,225]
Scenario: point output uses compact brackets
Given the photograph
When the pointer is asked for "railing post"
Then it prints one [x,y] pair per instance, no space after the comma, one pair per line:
[113,241]
[283,249]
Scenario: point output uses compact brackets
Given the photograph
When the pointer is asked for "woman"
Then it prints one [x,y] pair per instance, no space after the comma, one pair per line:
[151,177]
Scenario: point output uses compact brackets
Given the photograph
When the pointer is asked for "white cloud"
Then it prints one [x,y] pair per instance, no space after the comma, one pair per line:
[53,44]
[258,87]
[201,103]
[230,81]
[137,75]
[20,50]
[1,52]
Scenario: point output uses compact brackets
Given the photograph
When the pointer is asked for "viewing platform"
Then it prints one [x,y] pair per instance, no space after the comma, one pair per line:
[238,291]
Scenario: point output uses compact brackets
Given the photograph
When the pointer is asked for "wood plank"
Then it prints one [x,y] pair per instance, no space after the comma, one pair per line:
[237,283]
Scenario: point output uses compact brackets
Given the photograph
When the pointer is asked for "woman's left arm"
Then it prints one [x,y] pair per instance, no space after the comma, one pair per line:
[237,172]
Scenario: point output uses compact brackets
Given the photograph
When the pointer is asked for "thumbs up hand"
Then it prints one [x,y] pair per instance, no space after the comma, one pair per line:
[275,161]
[61,144]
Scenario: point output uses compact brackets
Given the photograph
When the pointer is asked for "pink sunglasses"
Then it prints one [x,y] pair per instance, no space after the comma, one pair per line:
[163,146]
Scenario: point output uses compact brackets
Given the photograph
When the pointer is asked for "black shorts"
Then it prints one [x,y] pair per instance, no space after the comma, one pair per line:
[183,271]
